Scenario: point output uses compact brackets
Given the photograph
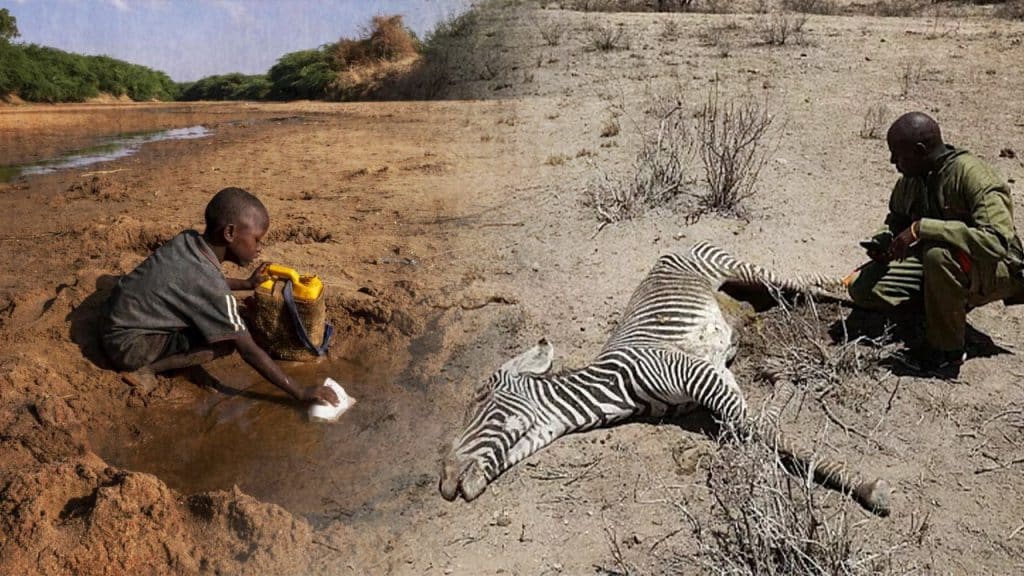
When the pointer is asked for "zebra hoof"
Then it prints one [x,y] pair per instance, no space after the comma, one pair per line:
[875,497]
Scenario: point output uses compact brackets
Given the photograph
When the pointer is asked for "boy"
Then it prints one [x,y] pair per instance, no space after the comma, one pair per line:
[176,309]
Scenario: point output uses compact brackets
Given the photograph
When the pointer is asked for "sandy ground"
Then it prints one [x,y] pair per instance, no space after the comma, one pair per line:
[452,236]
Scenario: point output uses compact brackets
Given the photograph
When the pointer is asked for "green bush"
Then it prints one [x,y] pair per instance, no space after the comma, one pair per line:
[226,87]
[301,75]
[42,74]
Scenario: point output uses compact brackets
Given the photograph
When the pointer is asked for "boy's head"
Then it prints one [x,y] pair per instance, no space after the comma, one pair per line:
[236,220]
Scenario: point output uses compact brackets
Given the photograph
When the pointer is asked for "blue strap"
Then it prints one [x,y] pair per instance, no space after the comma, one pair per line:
[300,328]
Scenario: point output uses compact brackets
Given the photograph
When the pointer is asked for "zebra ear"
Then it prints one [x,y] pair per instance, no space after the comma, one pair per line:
[536,360]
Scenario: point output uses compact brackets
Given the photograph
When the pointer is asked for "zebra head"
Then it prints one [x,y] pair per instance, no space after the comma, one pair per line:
[500,415]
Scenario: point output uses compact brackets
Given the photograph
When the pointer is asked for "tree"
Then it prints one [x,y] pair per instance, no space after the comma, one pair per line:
[8,26]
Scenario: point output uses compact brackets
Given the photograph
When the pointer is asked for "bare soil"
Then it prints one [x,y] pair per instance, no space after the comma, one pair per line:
[453,235]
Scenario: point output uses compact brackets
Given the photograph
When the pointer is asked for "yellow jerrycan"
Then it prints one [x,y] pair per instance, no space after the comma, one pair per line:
[290,316]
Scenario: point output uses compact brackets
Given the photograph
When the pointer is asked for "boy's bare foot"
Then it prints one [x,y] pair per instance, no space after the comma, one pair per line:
[143,379]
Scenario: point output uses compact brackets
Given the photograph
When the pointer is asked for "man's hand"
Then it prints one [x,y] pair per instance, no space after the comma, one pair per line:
[321,394]
[901,244]
[259,276]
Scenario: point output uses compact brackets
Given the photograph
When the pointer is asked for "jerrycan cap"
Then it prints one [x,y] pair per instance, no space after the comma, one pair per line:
[307,288]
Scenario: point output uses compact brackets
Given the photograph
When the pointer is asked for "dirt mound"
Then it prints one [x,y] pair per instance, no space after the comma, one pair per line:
[96,188]
[368,308]
[125,233]
[301,233]
[86,518]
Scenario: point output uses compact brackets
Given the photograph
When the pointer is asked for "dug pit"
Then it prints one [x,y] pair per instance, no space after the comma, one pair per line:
[238,430]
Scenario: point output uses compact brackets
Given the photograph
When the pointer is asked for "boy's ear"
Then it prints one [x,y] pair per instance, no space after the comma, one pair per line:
[229,233]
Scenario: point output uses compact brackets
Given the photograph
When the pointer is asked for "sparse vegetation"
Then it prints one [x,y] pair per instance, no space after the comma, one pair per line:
[1012,10]
[551,31]
[875,119]
[782,27]
[556,160]
[823,7]
[732,143]
[659,174]
[611,128]
[911,73]
[606,37]
[766,522]
[670,30]
[719,36]
[796,347]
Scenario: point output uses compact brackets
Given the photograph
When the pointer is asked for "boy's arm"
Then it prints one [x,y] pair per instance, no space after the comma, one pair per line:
[250,283]
[255,356]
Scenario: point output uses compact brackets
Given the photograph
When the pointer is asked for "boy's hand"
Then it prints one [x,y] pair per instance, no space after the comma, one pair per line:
[259,276]
[321,394]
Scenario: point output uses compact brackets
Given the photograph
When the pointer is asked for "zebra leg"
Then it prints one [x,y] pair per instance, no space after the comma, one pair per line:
[687,377]
[732,271]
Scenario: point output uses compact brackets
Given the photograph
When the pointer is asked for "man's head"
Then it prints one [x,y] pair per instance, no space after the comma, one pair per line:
[236,220]
[915,141]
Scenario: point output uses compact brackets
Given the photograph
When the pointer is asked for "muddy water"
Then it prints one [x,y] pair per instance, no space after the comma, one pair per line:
[248,433]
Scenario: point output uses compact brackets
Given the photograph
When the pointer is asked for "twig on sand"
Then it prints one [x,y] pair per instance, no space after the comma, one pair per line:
[846,427]
[583,474]
[328,546]
[1001,466]
[98,172]
[1015,531]
[15,237]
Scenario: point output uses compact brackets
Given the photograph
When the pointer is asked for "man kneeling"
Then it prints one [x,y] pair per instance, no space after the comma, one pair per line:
[949,240]
[176,309]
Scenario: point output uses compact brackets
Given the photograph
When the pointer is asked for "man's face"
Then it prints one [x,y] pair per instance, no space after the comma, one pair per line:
[909,158]
[245,238]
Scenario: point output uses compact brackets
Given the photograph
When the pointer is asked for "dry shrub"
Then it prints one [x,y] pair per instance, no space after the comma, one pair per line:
[719,36]
[551,31]
[1012,10]
[386,38]
[659,173]
[606,37]
[895,8]
[911,73]
[782,27]
[823,7]
[794,344]
[671,30]
[765,522]
[731,139]
[875,119]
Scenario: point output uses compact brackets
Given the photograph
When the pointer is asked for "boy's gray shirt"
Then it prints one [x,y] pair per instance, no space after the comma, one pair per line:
[179,287]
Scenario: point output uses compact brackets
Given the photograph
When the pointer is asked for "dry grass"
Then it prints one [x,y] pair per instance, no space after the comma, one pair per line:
[910,75]
[606,37]
[823,7]
[810,347]
[1012,10]
[765,522]
[875,121]
[782,27]
[386,38]
[552,31]
[659,174]
[732,141]
[719,36]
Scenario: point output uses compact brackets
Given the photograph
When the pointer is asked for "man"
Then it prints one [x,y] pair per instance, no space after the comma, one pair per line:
[949,241]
